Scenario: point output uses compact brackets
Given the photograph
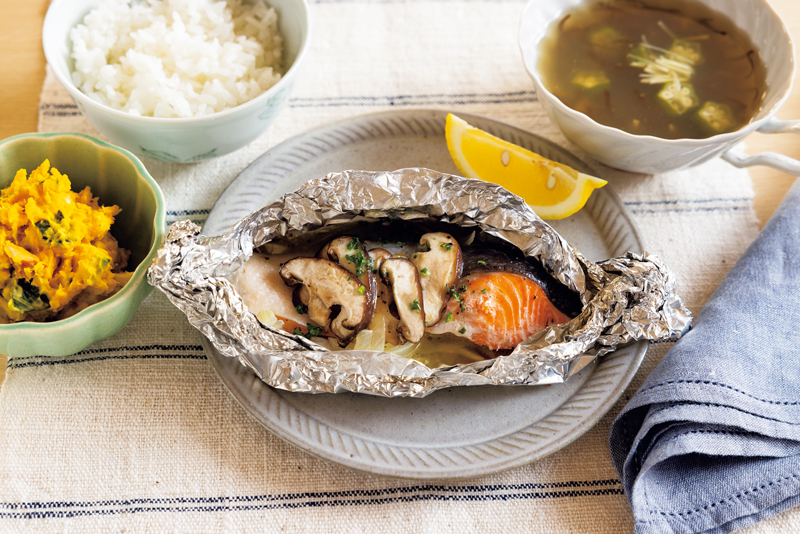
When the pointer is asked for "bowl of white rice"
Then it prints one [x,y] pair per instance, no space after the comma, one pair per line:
[177,80]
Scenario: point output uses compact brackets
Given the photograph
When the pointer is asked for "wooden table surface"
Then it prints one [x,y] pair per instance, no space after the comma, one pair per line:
[22,66]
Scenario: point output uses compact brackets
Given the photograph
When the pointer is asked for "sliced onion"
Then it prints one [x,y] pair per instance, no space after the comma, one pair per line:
[267,318]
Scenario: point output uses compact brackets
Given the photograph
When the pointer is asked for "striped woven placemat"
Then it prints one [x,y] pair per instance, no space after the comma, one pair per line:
[137,433]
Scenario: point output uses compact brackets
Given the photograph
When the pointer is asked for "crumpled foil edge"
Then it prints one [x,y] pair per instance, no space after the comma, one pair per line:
[625,299]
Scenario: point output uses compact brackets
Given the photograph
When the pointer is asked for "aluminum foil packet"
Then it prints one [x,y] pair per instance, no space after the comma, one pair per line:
[624,299]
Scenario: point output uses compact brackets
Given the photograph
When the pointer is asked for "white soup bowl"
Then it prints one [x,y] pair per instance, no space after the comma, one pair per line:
[653,155]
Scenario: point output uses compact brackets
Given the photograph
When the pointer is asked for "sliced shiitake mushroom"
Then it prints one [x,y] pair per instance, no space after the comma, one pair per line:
[402,276]
[301,295]
[350,253]
[439,268]
[336,299]
[379,255]
[384,302]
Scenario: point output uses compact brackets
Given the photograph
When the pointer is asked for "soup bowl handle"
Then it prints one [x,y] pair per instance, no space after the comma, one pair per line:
[737,157]
[774,125]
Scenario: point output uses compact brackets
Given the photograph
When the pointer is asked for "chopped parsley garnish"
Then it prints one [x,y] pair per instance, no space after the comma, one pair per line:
[301,309]
[446,246]
[424,271]
[484,290]
[360,262]
[458,295]
[463,330]
[414,305]
[481,262]
[449,317]
[313,331]
[353,245]
[361,290]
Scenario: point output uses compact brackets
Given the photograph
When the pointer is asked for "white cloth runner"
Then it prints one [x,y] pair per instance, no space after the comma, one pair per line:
[138,434]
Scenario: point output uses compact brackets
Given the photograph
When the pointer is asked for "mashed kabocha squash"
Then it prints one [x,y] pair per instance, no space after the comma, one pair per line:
[57,255]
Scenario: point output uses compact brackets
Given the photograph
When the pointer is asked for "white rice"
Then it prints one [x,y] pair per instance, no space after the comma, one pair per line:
[177,58]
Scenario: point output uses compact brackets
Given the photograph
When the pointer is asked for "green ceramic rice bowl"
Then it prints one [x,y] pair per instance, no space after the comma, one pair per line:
[117,177]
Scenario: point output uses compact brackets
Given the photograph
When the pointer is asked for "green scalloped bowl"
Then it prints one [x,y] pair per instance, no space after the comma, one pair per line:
[117,177]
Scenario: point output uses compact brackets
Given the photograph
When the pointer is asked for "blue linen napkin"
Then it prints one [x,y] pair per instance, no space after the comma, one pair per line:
[711,441]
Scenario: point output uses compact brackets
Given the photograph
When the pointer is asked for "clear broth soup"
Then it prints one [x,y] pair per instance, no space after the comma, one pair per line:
[668,69]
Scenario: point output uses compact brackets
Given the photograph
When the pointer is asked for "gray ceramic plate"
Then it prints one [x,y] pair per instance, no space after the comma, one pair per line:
[454,433]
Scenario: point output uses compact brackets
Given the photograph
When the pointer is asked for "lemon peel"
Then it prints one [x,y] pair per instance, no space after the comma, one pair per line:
[553,190]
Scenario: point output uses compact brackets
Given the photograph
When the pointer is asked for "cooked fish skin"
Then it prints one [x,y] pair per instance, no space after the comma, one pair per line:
[498,310]
[486,259]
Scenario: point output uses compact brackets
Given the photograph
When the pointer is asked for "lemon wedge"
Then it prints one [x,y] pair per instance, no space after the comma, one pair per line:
[552,189]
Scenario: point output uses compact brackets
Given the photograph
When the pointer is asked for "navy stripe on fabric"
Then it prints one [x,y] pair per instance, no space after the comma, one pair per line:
[692,210]
[198,222]
[409,100]
[131,348]
[323,494]
[628,204]
[392,101]
[383,100]
[58,106]
[182,213]
[43,363]
[694,201]
[94,355]
[56,509]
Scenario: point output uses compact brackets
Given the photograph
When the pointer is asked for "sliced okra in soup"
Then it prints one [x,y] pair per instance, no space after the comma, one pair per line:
[691,51]
[607,42]
[591,80]
[678,98]
[717,118]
